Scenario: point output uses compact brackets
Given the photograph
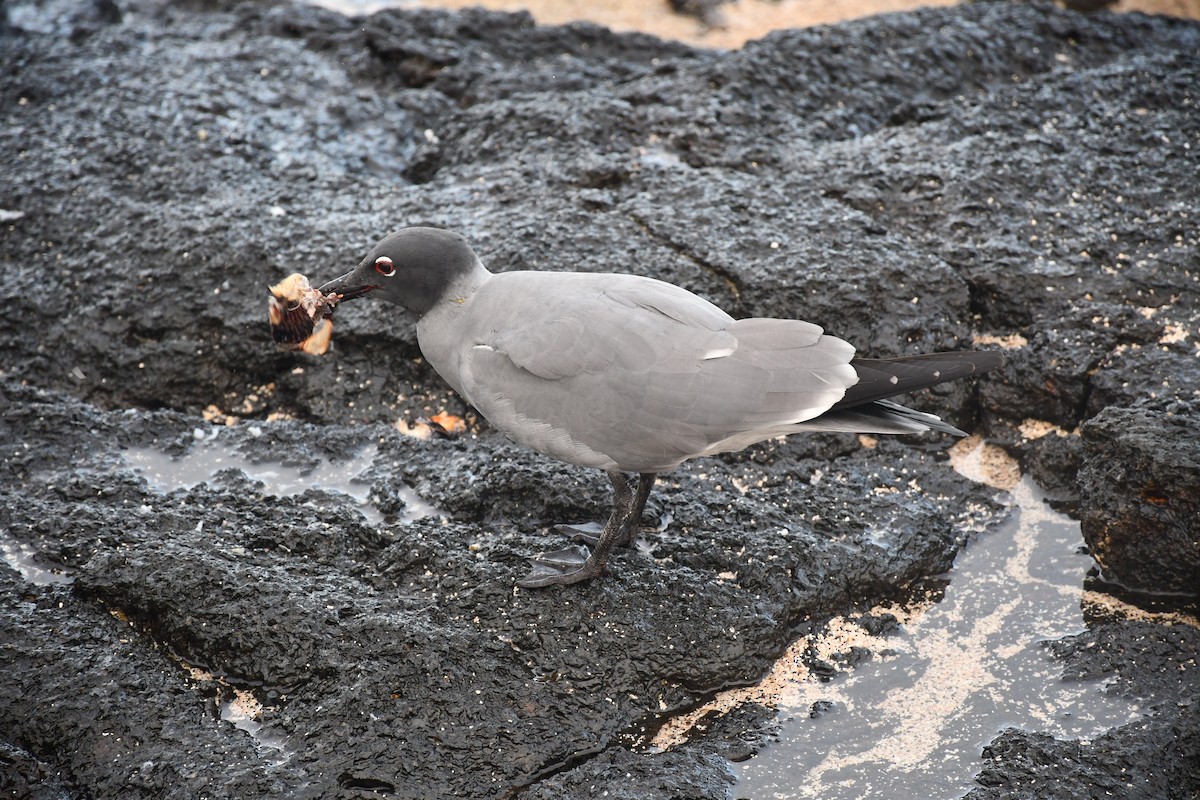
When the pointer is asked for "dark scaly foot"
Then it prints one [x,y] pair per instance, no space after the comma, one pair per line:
[574,564]
[587,532]
[561,567]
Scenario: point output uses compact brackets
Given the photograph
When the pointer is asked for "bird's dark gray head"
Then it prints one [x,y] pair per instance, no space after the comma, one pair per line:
[412,267]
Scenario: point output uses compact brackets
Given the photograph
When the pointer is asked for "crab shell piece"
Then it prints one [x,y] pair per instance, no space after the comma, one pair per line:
[300,316]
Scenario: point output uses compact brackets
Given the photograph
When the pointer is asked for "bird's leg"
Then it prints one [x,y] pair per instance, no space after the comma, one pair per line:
[621,496]
[575,564]
[645,484]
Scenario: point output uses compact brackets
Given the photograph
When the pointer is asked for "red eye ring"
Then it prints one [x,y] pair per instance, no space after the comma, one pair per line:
[385,267]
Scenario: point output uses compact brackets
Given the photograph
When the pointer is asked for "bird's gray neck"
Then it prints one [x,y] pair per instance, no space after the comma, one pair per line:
[461,288]
[443,329]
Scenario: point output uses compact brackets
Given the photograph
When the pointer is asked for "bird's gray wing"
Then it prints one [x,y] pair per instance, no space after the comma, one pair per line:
[629,373]
[563,363]
[588,324]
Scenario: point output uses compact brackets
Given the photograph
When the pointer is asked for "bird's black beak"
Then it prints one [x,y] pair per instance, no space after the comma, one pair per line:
[348,287]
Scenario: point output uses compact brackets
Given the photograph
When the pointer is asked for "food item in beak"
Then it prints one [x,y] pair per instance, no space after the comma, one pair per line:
[301,316]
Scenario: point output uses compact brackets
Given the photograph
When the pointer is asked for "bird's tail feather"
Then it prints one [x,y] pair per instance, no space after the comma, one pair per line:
[881,416]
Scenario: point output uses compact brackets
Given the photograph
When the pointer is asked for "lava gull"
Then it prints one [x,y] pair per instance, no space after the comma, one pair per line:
[629,374]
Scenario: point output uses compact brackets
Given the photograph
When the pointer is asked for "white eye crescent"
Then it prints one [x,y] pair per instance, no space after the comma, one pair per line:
[385,267]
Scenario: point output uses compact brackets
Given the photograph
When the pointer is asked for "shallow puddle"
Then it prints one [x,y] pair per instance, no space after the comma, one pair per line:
[212,454]
[241,710]
[23,558]
[912,720]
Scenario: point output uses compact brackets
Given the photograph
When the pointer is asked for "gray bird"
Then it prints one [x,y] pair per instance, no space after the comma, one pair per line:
[629,374]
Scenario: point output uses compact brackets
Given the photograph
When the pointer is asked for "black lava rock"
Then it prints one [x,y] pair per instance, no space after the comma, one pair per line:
[1140,497]
[993,175]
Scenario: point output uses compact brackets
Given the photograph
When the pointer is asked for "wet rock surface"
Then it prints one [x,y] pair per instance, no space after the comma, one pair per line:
[1151,660]
[1012,175]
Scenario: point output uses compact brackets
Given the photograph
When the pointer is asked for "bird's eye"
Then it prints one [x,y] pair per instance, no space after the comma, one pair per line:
[385,267]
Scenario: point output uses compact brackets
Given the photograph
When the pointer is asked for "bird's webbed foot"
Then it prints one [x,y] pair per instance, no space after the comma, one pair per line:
[561,567]
[588,533]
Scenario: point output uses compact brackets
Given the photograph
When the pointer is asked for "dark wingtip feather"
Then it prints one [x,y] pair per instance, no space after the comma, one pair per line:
[986,360]
[879,378]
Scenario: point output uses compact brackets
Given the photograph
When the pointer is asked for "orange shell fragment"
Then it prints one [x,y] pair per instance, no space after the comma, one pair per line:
[449,423]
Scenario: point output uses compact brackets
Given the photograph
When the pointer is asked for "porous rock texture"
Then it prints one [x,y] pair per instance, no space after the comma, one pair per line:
[987,175]
[1140,496]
